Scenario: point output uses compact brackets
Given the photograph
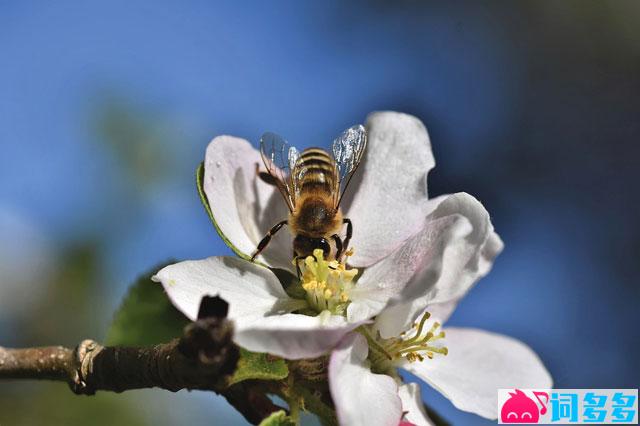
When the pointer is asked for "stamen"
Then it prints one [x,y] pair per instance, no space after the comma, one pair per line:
[420,326]
[327,283]
[414,348]
[373,344]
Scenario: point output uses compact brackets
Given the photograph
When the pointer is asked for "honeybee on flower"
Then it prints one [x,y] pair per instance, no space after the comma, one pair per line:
[313,189]
[412,254]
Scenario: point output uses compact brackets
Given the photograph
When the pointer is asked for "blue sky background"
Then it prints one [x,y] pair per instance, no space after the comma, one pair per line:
[106,109]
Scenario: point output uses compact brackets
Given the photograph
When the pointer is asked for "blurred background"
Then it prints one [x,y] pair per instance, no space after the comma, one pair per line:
[106,109]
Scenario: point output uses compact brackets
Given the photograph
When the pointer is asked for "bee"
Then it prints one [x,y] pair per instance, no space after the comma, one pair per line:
[312,184]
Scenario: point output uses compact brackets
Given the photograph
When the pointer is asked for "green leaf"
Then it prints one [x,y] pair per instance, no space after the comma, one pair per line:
[313,403]
[253,365]
[207,207]
[146,316]
[278,418]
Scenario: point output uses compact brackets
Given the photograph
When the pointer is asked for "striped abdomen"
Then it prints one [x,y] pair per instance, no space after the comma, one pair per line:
[316,183]
[317,171]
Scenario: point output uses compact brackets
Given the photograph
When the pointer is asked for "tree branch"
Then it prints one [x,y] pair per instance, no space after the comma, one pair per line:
[91,367]
[202,359]
[48,363]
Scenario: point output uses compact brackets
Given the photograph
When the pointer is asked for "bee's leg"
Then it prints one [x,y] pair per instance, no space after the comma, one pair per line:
[297,260]
[338,242]
[266,176]
[349,233]
[265,241]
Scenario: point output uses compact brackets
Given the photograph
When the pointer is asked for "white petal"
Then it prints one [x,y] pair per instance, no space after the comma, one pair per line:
[441,311]
[251,290]
[361,397]
[449,275]
[392,176]
[478,364]
[385,280]
[243,206]
[412,405]
[293,336]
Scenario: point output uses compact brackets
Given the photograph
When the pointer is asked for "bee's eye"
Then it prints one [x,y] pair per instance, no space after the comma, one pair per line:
[324,245]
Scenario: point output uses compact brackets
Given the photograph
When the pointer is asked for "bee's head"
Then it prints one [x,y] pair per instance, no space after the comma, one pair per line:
[304,245]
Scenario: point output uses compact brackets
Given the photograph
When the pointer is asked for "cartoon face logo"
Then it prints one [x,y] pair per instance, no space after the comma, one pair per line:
[519,408]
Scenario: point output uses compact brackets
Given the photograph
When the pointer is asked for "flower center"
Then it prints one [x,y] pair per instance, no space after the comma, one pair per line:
[415,344]
[327,283]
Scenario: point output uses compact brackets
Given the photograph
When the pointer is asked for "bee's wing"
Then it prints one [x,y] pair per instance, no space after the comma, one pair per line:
[279,158]
[348,149]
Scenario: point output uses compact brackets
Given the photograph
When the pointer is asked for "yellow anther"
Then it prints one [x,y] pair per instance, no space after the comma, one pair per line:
[414,344]
[327,282]
[308,285]
[350,274]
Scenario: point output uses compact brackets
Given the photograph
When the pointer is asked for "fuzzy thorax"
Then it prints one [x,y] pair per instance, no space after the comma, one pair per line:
[315,215]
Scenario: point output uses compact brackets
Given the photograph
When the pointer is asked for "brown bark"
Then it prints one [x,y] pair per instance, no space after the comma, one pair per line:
[202,359]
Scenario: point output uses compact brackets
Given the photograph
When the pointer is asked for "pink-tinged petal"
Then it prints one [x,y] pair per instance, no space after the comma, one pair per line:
[243,206]
[252,291]
[293,336]
[412,405]
[361,397]
[384,281]
[441,312]
[478,364]
[392,176]
[449,274]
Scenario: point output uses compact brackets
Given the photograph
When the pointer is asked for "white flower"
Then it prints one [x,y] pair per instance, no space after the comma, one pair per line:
[414,250]
[469,370]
